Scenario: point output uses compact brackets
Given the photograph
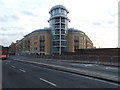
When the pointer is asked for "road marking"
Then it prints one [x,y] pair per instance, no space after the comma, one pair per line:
[22,70]
[107,68]
[48,82]
[13,66]
[86,65]
[111,68]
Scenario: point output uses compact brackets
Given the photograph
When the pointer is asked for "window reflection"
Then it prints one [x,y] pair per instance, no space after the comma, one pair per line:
[58,11]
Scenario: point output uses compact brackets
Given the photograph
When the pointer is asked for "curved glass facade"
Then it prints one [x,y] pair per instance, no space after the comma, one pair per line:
[59,26]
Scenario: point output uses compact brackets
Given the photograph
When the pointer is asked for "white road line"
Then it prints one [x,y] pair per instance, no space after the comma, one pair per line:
[110,68]
[86,65]
[13,66]
[22,70]
[48,82]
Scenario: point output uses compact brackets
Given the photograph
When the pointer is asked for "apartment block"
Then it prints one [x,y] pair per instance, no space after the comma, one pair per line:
[55,39]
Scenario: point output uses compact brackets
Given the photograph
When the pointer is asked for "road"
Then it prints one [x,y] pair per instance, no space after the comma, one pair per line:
[108,70]
[22,75]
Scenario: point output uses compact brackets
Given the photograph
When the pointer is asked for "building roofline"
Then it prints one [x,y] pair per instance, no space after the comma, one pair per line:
[58,6]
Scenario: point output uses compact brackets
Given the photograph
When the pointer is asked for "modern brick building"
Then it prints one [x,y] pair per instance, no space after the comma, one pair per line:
[12,49]
[56,39]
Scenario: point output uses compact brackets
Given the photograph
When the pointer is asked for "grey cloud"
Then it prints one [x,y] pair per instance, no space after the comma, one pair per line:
[14,17]
[3,29]
[3,19]
[114,15]
[17,28]
[6,18]
[1,3]
[97,23]
[110,12]
[28,13]
[110,22]
[11,28]
[12,34]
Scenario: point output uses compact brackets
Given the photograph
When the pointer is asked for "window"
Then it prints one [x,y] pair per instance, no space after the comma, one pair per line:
[62,49]
[81,38]
[65,13]
[56,37]
[42,37]
[57,26]
[76,47]
[63,37]
[35,37]
[35,43]
[53,20]
[81,43]
[56,49]
[76,43]
[76,38]
[62,32]
[63,43]
[42,48]
[63,20]
[53,12]
[62,26]
[57,32]
[35,48]
[62,11]
[56,11]
[56,43]
[57,20]
[42,44]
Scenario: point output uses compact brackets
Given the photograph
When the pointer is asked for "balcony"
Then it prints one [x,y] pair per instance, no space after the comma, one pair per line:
[63,20]
[56,38]
[57,20]
[57,32]
[76,44]
[62,26]
[42,40]
[57,26]
[42,44]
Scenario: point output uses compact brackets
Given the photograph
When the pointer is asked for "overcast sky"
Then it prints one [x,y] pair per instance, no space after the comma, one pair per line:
[97,18]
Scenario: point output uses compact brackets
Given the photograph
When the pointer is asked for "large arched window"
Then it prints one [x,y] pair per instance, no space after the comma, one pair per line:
[55,11]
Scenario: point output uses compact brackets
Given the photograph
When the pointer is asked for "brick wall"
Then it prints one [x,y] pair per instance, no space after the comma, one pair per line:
[98,51]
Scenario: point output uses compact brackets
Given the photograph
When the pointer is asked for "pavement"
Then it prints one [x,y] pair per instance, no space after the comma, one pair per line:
[97,71]
[17,74]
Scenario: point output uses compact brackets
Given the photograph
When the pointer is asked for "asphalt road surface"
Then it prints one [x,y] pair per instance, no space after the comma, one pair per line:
[110,70]
[22,75]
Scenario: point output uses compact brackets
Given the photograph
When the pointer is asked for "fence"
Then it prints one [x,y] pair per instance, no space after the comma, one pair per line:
[96,59]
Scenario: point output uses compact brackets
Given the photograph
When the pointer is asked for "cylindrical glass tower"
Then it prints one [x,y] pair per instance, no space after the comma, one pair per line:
[59,26]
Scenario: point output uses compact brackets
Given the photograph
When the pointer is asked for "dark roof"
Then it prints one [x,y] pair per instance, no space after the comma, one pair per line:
[46,30]
[72,30]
